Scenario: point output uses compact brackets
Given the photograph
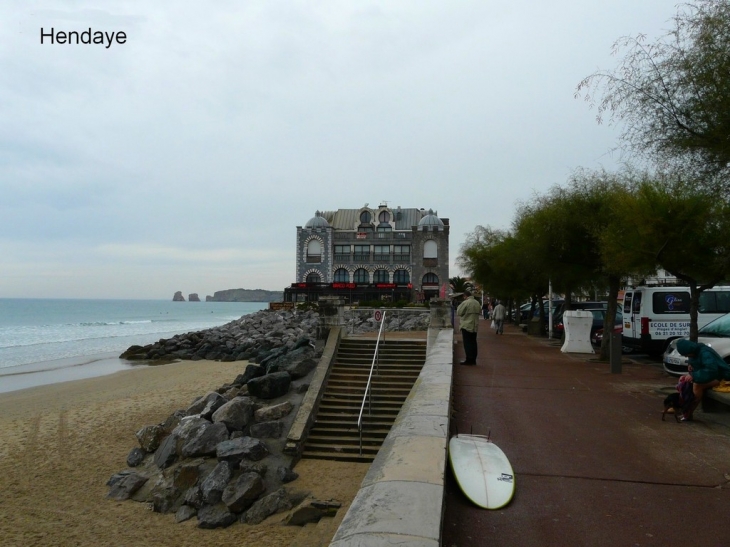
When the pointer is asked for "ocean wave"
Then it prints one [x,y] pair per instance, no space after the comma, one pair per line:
[115,323]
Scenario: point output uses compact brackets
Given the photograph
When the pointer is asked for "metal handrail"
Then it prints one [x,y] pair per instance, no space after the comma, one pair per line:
[367,396]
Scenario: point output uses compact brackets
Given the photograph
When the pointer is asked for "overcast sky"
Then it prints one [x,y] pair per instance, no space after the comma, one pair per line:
[185,158]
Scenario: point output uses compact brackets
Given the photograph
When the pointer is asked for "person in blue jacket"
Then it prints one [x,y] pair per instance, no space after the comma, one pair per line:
[706,368]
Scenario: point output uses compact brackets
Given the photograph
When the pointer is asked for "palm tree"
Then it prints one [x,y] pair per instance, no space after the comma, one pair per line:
[460,284]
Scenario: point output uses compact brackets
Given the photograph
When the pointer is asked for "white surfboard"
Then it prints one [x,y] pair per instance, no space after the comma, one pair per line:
[482,471]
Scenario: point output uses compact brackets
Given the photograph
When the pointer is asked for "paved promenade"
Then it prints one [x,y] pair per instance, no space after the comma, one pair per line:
[594,464]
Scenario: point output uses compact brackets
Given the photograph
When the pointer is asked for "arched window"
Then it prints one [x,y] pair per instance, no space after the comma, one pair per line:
[430,249]
[314,251]
[401,277]
[430,279]
[384,216]
[362,276]
[342,276]
[365,217]
[314,278]
[380,276]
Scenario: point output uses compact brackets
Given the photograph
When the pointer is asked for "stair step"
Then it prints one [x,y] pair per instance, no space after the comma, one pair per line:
[341,457]
[368,440]
[344,424]
[334,435]
[342,448]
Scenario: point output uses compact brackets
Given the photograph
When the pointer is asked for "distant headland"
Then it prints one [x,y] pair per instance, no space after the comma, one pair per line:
[234,295]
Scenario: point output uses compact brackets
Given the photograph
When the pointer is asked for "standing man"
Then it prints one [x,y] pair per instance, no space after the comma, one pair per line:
[498,315]
[469,311]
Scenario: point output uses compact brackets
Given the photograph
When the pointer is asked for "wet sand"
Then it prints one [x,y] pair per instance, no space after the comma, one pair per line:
[60,443]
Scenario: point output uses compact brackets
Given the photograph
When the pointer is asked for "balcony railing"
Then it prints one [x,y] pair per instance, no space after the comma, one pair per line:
[379,236]
[313,258]
[430,262]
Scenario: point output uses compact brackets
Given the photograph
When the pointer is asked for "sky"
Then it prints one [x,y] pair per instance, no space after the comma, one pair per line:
[184,158]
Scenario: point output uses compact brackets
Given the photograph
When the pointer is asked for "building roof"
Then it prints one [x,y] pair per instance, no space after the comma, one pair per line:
[317,221]
[405,219]
[431,220]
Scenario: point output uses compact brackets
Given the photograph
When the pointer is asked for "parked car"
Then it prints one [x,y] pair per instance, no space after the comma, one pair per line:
[715,334]
[525,310]
[597,334]
[559,328]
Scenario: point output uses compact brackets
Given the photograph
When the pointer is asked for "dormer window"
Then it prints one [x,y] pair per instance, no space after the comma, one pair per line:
[365,217]
[384,216]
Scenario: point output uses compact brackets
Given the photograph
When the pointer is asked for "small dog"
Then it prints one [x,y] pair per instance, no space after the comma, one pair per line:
[672,402]
[681,402]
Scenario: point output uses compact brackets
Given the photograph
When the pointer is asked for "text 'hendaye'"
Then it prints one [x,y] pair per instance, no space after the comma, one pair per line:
[84,37]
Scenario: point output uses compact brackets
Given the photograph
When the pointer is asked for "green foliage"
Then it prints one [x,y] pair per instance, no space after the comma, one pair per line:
[673,96]
[460,284]
[306,306]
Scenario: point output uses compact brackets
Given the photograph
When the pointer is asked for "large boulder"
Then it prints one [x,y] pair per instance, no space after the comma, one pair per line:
[215,516]
[240,494]
[241,448]
[124,484]
[149,437]
[251,372]
[267,430]
[178,297]
[205,441]
[301,369]
[274,412]
[268,505]
[270,386]
[207,405]
[135,457]
[214,484]
[166,454]
[235,414]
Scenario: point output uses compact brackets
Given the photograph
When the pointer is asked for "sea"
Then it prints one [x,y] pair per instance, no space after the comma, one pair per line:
[45,341]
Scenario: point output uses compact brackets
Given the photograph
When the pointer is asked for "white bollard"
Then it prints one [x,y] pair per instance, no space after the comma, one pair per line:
[577,325]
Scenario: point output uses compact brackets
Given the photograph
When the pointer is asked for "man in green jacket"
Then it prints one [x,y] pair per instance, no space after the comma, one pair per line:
[469,311]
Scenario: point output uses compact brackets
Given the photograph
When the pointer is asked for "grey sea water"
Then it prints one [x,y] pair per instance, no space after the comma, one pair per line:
[49,340]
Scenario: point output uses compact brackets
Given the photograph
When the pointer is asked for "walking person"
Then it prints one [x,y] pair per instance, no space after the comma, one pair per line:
[498,314]
[469,311]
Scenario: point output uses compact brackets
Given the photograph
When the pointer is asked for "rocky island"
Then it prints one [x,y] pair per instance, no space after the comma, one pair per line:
[234,295]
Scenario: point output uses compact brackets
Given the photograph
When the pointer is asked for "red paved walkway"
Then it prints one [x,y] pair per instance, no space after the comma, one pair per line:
[594,464]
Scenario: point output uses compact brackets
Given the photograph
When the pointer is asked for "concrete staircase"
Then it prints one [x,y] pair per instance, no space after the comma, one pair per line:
[334,435]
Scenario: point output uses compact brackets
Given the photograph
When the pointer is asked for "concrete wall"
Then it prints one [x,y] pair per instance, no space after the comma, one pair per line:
[310,404]
[401,499]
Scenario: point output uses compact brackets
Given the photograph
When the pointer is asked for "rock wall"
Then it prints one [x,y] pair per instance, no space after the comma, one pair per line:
[257,337]
[221,458]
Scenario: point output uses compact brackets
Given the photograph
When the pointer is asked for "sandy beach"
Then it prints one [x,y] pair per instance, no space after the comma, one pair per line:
[60,443]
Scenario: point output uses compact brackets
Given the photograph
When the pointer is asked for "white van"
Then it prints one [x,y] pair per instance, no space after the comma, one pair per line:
[656,315]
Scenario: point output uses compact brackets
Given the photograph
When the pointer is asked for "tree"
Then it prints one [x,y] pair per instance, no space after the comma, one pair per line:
[679,227]
[498,262]
[673,95]
[460,284]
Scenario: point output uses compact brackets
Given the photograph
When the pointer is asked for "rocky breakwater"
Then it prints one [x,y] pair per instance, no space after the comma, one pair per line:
[360,321]
[221,458]
[259,337]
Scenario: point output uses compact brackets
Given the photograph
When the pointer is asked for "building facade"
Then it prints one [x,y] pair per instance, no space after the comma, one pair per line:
[371,253]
